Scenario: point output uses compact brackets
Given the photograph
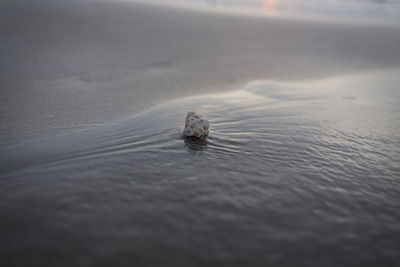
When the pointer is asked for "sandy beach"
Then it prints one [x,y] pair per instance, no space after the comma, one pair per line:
[68,65]
[300,167]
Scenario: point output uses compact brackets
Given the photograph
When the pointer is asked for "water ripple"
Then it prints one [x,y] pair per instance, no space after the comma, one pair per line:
[293,170]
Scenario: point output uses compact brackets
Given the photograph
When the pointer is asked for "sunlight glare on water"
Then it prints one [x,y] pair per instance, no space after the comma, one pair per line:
[383,10]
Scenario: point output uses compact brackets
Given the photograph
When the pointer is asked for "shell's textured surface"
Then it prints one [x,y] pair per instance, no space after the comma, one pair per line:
[196,125]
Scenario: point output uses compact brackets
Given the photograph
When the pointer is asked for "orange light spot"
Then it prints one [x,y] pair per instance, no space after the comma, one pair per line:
[269,6]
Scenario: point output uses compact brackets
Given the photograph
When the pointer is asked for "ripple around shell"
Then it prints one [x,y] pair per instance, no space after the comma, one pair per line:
[303,166]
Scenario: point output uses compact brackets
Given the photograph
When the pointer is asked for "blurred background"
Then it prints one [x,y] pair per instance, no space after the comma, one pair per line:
[386,10]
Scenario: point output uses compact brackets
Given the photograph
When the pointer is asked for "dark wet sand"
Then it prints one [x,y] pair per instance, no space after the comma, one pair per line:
[67,66]
[290,175]
[296,172]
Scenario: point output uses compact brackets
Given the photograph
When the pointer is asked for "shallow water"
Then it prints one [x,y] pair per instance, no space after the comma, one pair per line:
[365,10]
[291,174]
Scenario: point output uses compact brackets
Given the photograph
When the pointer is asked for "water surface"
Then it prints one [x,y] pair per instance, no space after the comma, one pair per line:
[303,174]
[354,10]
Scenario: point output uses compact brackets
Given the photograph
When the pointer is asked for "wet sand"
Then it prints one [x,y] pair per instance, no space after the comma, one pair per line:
[301,167]
[71,65]
[292,174]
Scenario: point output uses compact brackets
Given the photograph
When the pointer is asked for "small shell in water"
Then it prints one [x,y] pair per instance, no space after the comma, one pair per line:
[196,125]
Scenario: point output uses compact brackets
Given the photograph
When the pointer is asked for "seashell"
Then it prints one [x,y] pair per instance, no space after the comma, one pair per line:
[196,125]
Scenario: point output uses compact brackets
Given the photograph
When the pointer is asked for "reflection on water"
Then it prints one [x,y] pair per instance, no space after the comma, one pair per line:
[195,144]
[269,6]
[310,170]
[386,10]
